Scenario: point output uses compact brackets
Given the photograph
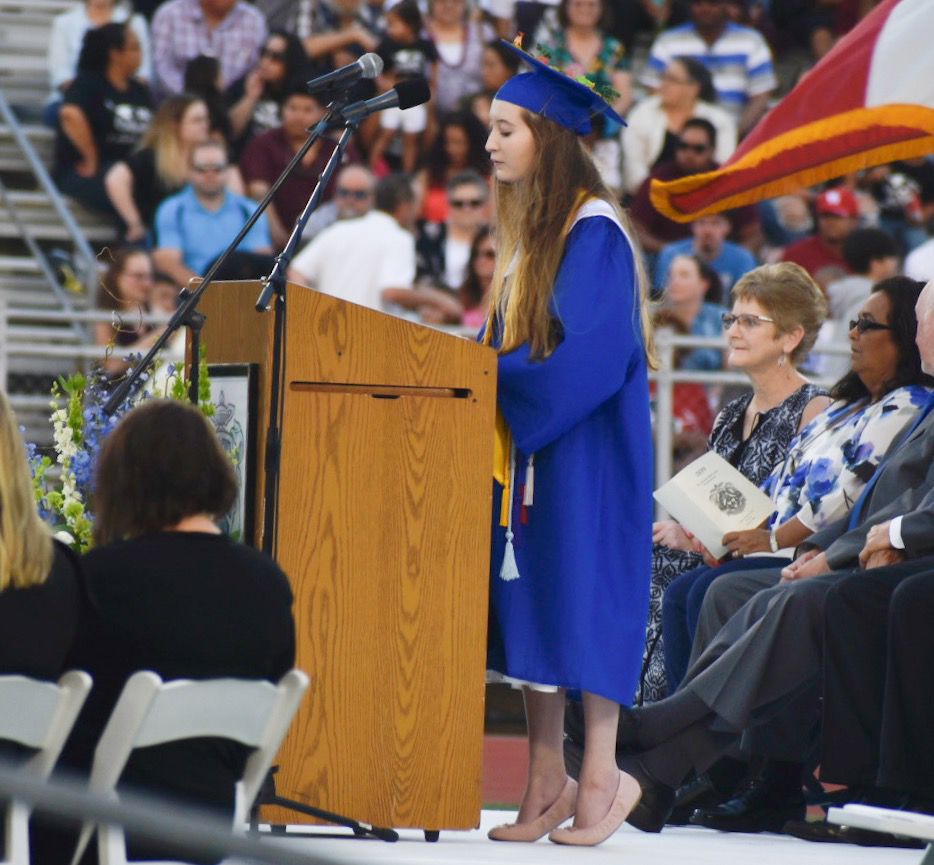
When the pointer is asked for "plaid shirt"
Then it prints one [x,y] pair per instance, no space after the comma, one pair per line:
[179,33]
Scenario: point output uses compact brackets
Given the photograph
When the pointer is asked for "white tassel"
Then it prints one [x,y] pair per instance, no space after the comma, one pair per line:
[509,570]
[528,498]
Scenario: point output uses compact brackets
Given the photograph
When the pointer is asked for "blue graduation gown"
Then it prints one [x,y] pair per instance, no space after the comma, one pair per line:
[576,615]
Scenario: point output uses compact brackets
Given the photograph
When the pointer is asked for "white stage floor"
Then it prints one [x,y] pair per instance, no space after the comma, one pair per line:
[674,846]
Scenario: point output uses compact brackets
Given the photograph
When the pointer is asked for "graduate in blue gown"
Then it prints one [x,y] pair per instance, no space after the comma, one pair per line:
[572,533]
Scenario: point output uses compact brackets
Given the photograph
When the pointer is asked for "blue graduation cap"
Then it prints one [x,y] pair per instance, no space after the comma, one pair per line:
[564,100]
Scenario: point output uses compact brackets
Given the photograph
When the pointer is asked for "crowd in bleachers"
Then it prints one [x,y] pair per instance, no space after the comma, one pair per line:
[136,89]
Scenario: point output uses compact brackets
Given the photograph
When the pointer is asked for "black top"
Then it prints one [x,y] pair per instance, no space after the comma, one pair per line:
[117,118]
[408,61]
[149,190]
[38,624]
[37,627]
[184,605]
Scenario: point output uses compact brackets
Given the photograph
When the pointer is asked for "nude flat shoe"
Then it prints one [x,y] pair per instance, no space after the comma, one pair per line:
[627,797]
[560,810]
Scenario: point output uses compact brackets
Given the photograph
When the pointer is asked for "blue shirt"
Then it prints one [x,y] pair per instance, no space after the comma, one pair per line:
[733,262]
[182,222]
[707,323]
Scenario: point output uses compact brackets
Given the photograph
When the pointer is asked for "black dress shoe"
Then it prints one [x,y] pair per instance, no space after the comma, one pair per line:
[830,833]
[699,792]
[765,803]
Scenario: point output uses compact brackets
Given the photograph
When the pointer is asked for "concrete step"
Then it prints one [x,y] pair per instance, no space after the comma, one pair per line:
[35,211]
[12,158]
[24,43]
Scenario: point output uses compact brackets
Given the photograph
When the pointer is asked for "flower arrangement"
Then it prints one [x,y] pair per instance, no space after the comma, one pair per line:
[64,486]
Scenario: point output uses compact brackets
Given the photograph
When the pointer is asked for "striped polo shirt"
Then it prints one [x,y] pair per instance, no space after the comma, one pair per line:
[739,61]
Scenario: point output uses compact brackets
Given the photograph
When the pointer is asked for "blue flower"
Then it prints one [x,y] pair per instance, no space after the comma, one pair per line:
[822,479]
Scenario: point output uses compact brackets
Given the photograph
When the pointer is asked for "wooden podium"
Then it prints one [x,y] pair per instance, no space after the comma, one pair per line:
[384,531]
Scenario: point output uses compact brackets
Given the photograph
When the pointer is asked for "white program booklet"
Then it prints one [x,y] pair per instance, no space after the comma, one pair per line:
[710,498]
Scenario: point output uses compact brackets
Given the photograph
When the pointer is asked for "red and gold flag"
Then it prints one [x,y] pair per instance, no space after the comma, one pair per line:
[868,102]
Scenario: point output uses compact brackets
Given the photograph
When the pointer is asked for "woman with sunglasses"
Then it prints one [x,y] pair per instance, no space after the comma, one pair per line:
[256,99]
[751,432]
[828,462]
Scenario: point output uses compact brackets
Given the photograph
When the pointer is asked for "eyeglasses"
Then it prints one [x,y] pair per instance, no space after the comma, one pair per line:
[356,194]
[746,320]
[460,203]
[204,169]
[278,56]
[674,79]
[861,325]
[694,148]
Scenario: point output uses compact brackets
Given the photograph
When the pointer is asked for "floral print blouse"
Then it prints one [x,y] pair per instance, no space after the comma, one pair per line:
[831,459]
[610,59]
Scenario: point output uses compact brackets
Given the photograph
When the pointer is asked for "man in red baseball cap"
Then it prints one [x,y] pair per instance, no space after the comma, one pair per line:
[821,255]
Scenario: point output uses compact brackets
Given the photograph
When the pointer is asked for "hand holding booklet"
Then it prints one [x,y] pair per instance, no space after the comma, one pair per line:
[710,498]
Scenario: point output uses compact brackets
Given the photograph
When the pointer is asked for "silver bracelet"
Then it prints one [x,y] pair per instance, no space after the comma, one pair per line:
[773,540]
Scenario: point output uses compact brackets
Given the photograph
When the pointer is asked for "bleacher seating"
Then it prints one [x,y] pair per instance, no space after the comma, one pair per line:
[24,36]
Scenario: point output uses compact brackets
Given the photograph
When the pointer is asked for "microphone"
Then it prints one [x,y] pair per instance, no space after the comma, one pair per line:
[406,94]
[368,66]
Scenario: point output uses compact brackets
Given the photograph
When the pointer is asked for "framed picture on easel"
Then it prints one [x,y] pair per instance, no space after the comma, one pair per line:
[233,393]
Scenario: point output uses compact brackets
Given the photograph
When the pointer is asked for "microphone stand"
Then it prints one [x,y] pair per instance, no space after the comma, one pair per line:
[275,285]
[186,314]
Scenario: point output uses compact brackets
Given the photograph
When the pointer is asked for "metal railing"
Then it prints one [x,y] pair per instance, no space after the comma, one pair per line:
[196,831]
[86,260]
[666,377]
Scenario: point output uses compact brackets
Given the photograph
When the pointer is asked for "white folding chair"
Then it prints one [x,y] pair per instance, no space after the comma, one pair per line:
[37,715]
[151,712]
[904,823]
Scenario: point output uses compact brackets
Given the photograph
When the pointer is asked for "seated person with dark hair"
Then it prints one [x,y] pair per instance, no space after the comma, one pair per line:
[268,154]
[694,153]
[105,112]
[173,595]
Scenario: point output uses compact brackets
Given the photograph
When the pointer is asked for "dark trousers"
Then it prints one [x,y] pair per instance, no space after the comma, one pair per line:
[681,609]
[878,679]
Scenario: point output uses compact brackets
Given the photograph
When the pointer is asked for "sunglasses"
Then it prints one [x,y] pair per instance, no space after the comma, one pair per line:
[460,203]
[204,169]
[745,320]
[278,56]
[694,148]
[861,325]
[356,194]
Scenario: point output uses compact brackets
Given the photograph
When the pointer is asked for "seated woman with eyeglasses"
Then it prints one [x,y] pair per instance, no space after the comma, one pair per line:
[780,310]
[828,463]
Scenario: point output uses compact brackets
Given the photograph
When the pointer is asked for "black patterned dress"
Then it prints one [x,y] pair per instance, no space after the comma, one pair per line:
[754,457]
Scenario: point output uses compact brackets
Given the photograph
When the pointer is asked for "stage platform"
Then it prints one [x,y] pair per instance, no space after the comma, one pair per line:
[675,846]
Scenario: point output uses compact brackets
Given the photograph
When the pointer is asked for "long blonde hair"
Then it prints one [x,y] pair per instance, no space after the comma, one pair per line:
[164,137]
[543,207]
[25,541]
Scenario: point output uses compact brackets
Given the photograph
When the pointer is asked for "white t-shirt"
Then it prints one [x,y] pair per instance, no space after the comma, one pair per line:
[456,256]
[355,259]
[920,262]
